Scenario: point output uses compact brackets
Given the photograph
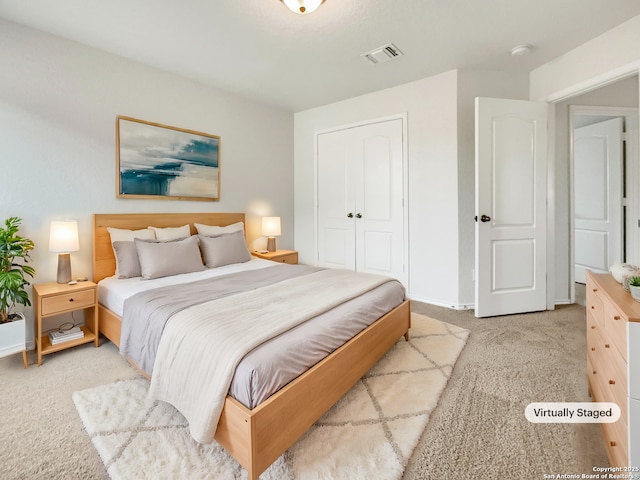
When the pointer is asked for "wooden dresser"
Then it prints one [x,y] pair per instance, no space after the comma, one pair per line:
[613,363]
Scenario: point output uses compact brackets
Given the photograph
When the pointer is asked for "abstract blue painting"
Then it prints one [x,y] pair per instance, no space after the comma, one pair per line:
[157,161]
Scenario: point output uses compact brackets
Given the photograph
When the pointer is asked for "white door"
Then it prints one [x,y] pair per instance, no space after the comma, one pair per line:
[360,199]
[511,198]
[597,157]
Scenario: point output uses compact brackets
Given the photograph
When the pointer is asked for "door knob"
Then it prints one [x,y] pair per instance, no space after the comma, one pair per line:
[349,215]
[485,218]
[358,215]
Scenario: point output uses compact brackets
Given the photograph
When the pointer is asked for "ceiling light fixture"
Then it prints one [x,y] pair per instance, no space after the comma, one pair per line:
[520,50]
[302,7]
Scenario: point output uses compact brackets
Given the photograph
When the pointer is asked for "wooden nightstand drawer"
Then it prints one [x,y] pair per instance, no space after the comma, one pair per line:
[291,258]
[68,302]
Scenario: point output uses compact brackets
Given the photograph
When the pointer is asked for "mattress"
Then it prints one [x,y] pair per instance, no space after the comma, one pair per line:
[270,366]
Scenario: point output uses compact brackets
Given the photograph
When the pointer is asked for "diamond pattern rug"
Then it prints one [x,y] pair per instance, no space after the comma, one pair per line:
[370,433]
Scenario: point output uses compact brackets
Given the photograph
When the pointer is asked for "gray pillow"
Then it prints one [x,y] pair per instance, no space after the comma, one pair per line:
[127,258]
[224,249]
[162,259]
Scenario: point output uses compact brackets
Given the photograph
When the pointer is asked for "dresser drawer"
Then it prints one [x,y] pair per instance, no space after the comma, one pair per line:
[614,382]
[68,301]
[594,304]
[616,443]
[616,327]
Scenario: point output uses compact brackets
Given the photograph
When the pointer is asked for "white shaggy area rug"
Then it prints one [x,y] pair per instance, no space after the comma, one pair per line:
[369,434]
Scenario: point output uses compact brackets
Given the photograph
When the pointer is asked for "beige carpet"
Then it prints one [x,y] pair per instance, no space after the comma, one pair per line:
[370,433]
[477,431]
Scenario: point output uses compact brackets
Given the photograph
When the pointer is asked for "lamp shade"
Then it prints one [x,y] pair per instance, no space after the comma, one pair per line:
[303,7]
[63,236]
[271,226]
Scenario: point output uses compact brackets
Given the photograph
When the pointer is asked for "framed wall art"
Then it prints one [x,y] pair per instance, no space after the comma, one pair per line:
[158,161]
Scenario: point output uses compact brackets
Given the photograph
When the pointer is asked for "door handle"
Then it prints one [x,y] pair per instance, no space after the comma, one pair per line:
[349,215]
[485,218]
[358,215]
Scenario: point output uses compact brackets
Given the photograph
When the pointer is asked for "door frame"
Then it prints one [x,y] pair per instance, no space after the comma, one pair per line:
[584,86]
[405,182]
[632,178]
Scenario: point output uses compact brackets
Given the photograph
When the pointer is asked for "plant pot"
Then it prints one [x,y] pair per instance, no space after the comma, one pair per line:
[12,336]
[635,292]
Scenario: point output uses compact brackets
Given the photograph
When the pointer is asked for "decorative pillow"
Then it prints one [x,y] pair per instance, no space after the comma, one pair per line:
[171,233]
[127,262]
[124,235]
[216,230]
[224,249]
[163,259]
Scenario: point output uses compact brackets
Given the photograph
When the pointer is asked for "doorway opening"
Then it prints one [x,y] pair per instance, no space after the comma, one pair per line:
[605,180]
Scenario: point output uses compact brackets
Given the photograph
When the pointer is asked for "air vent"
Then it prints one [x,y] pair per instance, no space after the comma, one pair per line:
[383,54]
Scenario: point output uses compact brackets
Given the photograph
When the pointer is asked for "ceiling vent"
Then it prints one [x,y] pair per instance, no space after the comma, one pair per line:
[383,54]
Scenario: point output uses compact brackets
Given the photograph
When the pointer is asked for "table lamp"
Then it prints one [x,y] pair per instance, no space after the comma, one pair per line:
[63,238]
[271,229]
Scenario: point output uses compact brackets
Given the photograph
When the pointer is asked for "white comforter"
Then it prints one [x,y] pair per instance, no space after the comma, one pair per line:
[202,345]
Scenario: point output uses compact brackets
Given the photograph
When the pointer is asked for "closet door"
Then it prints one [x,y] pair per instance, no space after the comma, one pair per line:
[336,200]
[360,199]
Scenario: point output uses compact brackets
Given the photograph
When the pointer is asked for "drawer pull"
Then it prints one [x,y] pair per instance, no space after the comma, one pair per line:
[606,345]
[595,289]
[594,372]
[612,382]
[613,444]
[71,299]
[616,317]
[593,327]
[593,349]
[593,307]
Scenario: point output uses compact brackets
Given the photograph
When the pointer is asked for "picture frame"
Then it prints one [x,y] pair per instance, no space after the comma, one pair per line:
[156,161]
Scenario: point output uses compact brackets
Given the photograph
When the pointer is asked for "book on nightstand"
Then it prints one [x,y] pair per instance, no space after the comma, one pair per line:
[65,335]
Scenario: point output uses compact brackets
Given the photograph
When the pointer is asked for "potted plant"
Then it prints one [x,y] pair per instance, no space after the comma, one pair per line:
[634,287]
[14,255]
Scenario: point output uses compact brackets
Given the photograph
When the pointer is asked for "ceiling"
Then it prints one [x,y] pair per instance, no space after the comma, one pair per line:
[261,50]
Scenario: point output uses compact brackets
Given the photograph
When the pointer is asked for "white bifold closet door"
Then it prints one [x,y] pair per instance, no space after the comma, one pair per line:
[360,198]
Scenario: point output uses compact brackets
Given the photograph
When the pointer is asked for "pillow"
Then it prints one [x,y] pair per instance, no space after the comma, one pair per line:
[171,233]
[128,265]
[216,230]
[224,249]
[123,235]
[163,259]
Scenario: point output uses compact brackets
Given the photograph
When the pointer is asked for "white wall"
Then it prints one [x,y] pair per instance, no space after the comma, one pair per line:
[58,104]
[594,63]
[441,199]
[433,191]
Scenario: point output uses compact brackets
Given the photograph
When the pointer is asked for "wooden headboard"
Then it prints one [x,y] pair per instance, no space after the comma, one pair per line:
[104,262]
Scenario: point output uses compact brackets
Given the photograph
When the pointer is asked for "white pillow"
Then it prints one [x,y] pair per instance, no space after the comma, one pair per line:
[171,233]
[124,235]
[216,230]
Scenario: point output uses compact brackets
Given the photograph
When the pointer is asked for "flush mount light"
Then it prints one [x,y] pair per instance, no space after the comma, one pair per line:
[520,50]
[302,7]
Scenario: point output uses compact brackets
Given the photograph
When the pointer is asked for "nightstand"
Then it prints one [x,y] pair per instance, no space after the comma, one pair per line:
[51,299]
[281,256]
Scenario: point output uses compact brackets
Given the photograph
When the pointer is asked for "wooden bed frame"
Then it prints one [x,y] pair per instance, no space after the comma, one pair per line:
[256,438]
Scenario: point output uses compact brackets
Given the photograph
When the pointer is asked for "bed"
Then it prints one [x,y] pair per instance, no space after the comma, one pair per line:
[256,437]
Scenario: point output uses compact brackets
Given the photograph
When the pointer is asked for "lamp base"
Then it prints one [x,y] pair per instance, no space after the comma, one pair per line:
[271,244]
[64,267]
